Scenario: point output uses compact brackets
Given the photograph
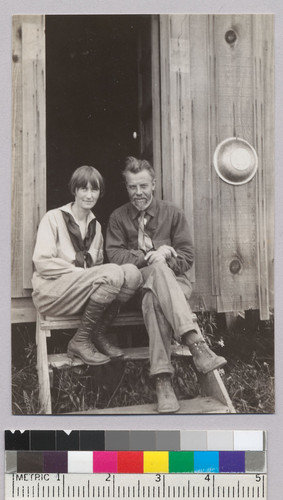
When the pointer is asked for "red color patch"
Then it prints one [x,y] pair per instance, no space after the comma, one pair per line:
[130,461]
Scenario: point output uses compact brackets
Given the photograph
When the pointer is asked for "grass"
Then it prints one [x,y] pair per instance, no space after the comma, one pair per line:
[248,375]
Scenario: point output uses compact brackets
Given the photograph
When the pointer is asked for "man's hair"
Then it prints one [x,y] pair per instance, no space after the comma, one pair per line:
[82,176]
[135,166]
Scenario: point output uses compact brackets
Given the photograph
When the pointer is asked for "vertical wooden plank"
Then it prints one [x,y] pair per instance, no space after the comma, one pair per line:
[177,114]
[234,206]
[201,85]
[268,121]
[263,111]
[17,171]
[156,111]
[167,170]
[34,149]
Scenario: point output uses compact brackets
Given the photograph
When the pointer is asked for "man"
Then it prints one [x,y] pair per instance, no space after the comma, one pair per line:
[154,235]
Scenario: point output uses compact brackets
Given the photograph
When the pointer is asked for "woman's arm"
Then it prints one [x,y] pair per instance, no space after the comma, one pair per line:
[45,257]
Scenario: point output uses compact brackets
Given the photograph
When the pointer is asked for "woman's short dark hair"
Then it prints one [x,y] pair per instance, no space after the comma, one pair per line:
[134,165]
[82,176]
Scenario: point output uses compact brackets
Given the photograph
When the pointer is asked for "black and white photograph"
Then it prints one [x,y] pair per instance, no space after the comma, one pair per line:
[142,245]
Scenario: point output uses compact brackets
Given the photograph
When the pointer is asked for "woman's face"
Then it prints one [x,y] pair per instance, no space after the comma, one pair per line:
[86,197]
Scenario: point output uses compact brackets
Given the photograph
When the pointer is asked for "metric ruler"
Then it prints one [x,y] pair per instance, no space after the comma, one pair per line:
[40,486]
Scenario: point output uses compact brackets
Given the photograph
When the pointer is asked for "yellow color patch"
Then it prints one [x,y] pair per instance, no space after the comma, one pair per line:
[155,461]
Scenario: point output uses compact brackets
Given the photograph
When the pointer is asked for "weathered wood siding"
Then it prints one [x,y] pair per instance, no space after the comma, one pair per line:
[211,90]
[196,89]
[149,97]
[29,157]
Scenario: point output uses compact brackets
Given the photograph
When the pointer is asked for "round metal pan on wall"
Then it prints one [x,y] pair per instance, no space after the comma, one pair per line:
[235,161]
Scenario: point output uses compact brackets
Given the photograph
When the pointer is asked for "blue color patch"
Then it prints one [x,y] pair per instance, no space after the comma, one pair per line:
[206,461]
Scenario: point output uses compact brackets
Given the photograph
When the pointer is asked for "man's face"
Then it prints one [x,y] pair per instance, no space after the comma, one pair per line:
[140,188]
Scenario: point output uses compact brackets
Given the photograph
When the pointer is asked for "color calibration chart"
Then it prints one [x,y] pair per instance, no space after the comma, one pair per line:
[135,464]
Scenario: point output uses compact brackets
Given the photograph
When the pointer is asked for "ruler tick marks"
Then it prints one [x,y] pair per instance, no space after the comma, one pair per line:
[248,492]
[183,491]
[93,491]
[63,486]
[123,492]
[218,491]
[43,491]
[233,492]
[198,492]
[143,491]
[33,492]
[134,492]
[48,491]
[108,490]
[228,491]
[238,489]
[158,491]
[83,491]
[148,491]
[168,491]
[118,491]
[129,492]
[73,492]
[253,490]
[139,488]
[263,485]
[103,491]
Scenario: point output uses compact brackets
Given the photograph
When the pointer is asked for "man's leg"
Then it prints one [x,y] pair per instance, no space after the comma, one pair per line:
[171,298]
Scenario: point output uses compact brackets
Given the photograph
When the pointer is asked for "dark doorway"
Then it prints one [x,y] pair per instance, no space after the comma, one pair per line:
[92,102]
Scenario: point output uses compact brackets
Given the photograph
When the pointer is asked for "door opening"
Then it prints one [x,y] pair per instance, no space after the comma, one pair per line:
[92,102]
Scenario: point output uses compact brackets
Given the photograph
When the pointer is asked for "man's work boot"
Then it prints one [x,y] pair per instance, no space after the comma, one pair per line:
[204,358]
[166,399]
[81,345]
[99,333]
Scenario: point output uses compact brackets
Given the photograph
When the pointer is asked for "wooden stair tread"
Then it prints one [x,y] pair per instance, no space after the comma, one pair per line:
[187,406]
[130,353]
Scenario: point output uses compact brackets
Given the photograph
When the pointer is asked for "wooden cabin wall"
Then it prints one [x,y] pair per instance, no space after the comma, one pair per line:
[212,90]
[28,151]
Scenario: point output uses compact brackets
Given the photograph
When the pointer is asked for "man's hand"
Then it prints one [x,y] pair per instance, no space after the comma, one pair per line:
[160,255]
[167,251]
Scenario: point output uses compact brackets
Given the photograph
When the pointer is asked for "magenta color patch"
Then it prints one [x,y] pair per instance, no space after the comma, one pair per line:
[105,461]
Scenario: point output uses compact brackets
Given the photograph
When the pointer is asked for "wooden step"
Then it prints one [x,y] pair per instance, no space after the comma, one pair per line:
[131,353]
[203,405]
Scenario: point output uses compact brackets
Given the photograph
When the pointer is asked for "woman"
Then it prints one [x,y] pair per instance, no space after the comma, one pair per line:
[70,277]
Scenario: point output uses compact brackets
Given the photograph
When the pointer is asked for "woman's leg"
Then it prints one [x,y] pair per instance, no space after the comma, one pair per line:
[91,332]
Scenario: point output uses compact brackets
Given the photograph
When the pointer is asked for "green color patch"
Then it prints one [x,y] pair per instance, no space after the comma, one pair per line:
[181,461]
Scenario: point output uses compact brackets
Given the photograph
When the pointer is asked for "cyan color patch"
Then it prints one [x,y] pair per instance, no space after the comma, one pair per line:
[206,461]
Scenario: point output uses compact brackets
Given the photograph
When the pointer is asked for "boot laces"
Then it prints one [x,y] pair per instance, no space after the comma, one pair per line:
[202,347]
